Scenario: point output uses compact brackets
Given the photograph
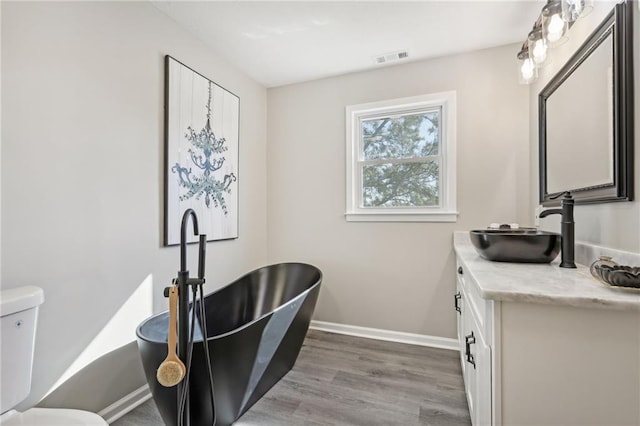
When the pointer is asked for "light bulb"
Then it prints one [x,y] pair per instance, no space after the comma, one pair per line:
[576,5]
[574,9]
[539,51]
[527,69]
[555,29]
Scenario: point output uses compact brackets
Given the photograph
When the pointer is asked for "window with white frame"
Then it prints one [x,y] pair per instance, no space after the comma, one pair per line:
[401,159]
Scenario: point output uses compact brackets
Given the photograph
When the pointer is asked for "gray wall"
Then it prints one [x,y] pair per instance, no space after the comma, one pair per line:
[394,276]
[615,225]
[0,155]
[82,173]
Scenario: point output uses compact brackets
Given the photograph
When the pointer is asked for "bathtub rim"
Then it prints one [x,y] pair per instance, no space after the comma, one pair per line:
[139,335]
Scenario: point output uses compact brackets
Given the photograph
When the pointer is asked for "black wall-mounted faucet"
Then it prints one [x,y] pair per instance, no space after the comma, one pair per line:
[567,228]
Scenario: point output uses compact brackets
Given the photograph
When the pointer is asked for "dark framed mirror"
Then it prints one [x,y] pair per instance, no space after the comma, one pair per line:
[586,118]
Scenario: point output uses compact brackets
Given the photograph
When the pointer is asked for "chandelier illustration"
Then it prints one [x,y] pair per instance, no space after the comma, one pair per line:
[206,155]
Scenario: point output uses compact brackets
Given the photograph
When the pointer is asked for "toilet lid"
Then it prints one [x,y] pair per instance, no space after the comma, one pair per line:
[55,417]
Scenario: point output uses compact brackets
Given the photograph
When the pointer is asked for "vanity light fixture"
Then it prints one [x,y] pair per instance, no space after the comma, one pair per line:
[527,70]
[549,30]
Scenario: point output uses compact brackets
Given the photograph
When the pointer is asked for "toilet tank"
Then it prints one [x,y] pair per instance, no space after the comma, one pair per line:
[18,316]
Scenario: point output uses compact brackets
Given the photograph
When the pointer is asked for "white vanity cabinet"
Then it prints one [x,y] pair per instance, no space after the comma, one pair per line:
[543,345]
[475,319]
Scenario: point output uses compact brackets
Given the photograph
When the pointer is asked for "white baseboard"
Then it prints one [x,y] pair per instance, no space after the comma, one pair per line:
[388,335]
[125,404]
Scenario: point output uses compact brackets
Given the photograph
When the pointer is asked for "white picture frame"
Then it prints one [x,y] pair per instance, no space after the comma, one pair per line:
[201,154]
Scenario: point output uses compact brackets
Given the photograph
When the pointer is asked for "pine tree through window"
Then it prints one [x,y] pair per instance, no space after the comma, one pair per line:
[401,159]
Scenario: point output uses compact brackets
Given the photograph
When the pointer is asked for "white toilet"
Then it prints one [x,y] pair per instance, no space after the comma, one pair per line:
[18,316]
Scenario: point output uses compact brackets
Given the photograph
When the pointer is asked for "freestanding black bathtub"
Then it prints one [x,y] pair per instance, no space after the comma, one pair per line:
[255,325]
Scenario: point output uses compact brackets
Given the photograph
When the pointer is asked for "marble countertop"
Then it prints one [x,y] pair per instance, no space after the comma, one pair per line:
[540,283]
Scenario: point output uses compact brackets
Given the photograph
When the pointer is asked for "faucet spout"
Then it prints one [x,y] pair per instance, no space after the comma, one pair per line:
[183,236]
[567,225]
[549,212]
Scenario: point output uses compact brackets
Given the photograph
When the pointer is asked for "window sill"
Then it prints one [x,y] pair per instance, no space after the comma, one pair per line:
[402,217]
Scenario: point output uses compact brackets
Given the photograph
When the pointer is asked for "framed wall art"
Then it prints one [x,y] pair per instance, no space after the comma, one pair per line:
[201,154]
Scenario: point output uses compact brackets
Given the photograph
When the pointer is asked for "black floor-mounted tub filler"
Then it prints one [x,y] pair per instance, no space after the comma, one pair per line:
[256,326]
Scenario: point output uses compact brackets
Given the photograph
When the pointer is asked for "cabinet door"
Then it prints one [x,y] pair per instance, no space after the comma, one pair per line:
[459,306]
[458,302]
[483,383]
[477,372]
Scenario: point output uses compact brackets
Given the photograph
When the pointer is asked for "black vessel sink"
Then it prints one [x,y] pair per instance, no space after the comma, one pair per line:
[525,245]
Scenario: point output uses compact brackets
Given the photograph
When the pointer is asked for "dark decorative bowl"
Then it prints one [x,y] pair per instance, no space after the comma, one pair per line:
[619,276]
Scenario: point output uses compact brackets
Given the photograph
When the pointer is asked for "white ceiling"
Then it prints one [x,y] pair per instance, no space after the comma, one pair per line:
[278,43]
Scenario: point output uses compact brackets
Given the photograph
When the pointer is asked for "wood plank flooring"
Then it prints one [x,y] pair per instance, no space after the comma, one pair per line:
[342,380]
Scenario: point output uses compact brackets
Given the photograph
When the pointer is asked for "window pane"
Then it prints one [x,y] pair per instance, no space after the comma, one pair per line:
[401,185]
[406,136]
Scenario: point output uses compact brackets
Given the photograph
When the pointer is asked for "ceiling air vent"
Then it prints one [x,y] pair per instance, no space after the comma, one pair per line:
[391,57]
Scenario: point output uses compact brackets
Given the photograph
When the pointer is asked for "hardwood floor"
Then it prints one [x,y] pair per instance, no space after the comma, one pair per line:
[343,380]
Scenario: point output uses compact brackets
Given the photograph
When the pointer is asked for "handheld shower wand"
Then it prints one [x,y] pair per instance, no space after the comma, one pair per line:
[202,253]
